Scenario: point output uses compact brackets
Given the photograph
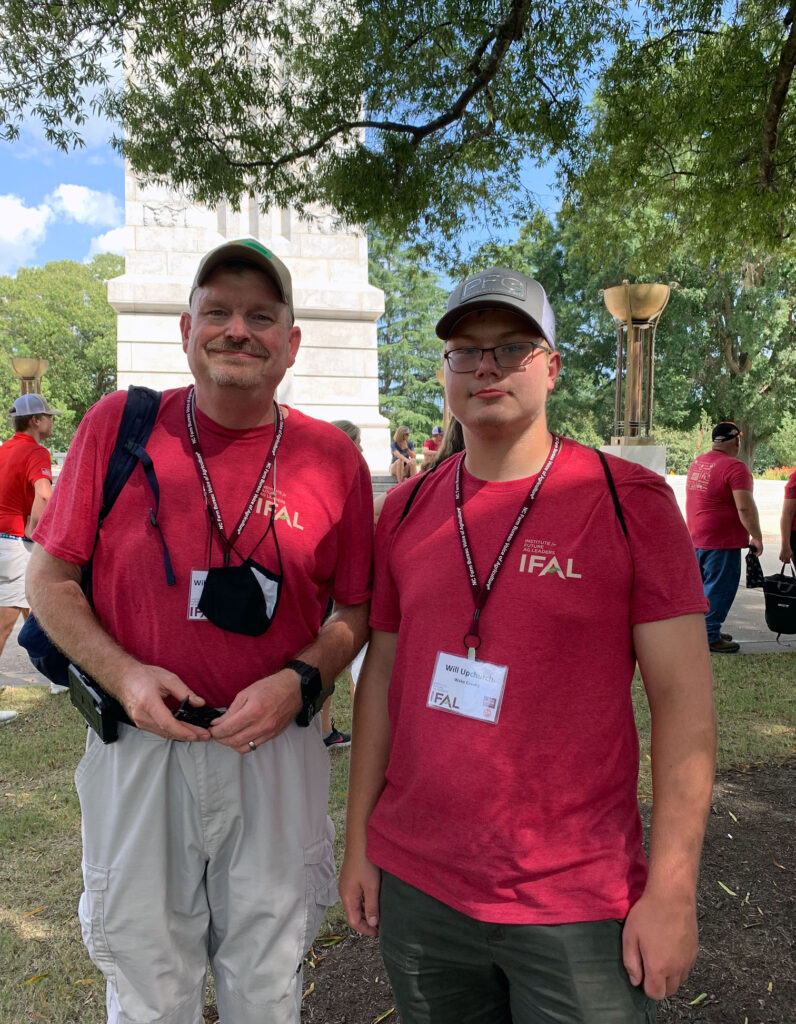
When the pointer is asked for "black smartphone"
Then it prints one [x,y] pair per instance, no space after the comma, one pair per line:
[202,716]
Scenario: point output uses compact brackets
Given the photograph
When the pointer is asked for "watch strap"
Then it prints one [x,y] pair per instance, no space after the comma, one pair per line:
[313,692]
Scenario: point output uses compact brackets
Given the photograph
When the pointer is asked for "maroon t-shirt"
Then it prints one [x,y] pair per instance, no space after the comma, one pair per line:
[790,492]
[534,819]
[324,517]
[710,510]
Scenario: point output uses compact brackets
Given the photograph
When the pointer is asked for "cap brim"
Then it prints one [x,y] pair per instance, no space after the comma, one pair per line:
[243,254]
[452,317]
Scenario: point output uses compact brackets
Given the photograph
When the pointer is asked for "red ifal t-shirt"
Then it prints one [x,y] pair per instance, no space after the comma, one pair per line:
[710,509]
[790,492]
[534,819]
[23,461]
[324,517]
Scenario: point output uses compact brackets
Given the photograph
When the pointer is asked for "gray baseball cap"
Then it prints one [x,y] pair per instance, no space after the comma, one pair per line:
[500,288]
[33,405]
[247,250]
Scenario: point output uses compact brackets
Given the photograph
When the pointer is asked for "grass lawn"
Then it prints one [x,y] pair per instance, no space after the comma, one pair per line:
[45,974]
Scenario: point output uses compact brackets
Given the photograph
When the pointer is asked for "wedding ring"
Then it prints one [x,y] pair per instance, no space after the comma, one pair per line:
[252,745]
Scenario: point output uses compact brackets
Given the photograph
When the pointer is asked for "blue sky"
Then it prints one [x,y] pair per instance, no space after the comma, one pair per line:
[56,206]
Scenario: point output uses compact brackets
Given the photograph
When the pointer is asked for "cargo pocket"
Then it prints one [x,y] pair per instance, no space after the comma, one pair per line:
[91,911]
[320,886]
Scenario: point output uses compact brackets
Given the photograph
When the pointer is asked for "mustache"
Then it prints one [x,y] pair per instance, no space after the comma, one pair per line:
[248,347]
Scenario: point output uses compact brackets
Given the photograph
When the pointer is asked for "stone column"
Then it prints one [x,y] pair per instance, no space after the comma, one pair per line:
[336,372]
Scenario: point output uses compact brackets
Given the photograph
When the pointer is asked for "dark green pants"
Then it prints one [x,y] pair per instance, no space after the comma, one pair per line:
[447,968]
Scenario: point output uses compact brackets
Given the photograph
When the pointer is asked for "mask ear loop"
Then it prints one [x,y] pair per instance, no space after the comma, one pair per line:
[271,526]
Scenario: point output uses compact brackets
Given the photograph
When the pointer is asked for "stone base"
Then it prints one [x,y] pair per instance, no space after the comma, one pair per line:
[653,456]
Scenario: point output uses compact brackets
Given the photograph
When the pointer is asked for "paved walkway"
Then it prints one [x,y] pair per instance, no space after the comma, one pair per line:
[746,621]
[15,667]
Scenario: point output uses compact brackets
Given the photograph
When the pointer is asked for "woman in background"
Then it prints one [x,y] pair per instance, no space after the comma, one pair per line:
[404,460]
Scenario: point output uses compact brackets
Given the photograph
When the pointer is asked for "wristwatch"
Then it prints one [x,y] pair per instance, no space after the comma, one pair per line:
[312,692]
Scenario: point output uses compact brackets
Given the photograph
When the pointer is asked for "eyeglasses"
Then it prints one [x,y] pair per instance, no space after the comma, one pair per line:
[507,357]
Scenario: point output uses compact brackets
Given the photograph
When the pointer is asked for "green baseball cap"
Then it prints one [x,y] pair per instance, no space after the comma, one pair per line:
[247,250]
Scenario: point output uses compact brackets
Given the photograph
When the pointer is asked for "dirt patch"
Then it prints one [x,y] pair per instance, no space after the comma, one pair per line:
[746,966]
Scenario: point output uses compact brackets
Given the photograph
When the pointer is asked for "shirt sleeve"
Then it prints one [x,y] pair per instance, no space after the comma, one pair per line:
[740,477]
[666,578]
[385,613]
[790,486]
[39,465]
[352,579]
[68,527]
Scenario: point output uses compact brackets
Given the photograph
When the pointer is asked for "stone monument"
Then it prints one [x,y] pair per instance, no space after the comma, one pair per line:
[336,372]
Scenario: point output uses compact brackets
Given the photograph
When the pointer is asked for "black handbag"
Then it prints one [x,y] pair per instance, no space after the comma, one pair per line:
[780,595]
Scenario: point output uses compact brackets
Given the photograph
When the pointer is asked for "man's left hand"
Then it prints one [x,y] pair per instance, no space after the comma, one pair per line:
[259,712]
[660,943]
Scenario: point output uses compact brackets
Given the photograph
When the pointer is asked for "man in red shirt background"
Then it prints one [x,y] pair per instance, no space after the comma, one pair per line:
[788,522]
[25,488]
[434,443]
[721,515]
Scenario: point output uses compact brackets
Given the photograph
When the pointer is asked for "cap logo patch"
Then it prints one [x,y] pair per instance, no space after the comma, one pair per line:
[494,284]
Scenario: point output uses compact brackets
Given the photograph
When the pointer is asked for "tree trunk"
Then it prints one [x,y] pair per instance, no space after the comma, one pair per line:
[749,442]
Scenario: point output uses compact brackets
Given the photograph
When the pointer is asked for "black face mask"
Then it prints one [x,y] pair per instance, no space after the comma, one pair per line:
[241,598]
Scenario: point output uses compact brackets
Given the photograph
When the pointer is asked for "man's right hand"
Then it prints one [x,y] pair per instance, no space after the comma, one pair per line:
[143,690]
[756,544]
[360,882]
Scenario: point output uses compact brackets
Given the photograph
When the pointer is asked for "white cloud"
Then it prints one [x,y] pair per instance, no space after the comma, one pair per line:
[85,205]
[22,230]
[116,240]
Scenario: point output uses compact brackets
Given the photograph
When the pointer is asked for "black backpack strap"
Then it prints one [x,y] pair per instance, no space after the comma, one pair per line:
[148,466]
[140,412]
[138,419]
[413,495]
[612,489]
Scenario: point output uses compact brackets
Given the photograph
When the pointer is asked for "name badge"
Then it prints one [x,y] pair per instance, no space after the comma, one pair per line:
[198,577]
[473,689]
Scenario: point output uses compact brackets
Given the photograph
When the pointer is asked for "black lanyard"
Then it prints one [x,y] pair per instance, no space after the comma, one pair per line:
[207,486]
[472,639]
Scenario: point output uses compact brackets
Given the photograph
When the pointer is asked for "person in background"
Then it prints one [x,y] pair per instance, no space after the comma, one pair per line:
[26,482]
[434,443]
[350,429]
[452,444]
[788,522]
[493,839]
[721,514]
[404,460]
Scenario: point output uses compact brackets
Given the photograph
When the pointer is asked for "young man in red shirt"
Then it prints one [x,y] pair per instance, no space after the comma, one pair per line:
[494,839]
[25,487]
[721,514]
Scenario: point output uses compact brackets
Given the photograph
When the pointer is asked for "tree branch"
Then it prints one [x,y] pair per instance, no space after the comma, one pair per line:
[421,35]
[776,103]
[509,31]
